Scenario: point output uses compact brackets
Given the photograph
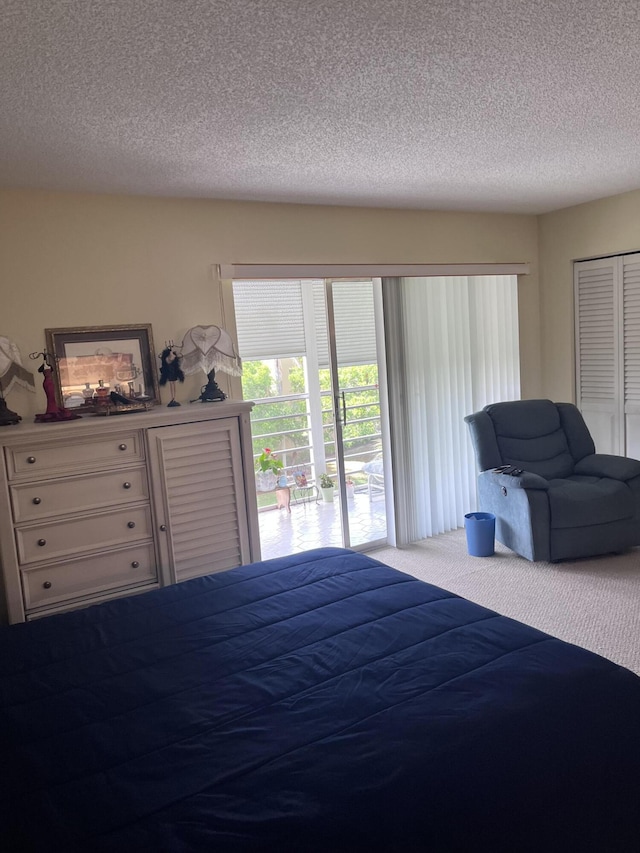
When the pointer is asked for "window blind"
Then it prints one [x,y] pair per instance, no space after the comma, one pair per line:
[270,320]
[454,348]
[353,309]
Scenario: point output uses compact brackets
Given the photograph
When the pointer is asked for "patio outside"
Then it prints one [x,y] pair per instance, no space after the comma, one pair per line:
[315,524]
[299,430]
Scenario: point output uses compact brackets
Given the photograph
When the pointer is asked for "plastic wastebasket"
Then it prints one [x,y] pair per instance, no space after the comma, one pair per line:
[481,531]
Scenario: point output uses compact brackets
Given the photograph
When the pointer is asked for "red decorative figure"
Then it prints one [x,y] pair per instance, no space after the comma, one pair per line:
[54,411]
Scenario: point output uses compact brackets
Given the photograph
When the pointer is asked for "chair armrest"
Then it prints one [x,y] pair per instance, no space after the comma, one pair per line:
[526,480]
[604,465]
[522,515]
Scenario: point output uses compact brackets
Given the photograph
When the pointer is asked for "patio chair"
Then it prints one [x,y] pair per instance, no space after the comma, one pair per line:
[375,476]
[553,496]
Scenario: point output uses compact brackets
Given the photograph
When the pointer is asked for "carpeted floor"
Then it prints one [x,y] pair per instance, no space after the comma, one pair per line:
[594,603]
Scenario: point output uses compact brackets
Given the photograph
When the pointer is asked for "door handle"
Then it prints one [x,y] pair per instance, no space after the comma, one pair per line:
[344,409]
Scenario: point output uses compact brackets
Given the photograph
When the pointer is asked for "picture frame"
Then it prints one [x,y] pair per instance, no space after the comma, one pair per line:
[123,357]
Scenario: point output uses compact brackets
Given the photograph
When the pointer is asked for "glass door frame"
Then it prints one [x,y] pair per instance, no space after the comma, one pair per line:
[339,412]
[339,418]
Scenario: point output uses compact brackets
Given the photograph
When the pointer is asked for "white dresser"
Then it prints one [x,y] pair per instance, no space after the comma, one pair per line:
[103,507]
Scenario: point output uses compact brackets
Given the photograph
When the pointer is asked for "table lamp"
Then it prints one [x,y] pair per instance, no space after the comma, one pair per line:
[210,348]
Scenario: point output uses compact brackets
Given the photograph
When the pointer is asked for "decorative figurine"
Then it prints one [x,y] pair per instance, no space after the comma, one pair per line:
[7,417]
[101,396]
[54,411]
[211,392]
[170,371]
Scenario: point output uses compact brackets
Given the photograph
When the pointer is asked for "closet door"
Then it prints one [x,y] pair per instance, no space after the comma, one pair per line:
[199,499]
[631,336]
[599,366]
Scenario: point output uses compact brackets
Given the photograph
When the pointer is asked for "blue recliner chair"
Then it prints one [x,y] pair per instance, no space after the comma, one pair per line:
[568,501]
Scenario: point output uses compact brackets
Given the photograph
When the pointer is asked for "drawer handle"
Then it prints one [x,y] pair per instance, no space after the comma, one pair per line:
[42,542]
[126,485]
[46,585]
[36,501]
[131,524]
[31,459]
[120,447]
[163,527]
[135,565]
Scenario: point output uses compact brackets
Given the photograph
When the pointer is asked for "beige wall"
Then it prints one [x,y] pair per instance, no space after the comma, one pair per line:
[604,227]
[78,260]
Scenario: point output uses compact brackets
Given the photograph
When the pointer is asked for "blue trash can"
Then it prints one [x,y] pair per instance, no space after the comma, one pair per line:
[481,532]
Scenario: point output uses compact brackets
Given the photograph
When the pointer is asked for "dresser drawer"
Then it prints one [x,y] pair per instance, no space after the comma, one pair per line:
[47,585]
[55,539]
[31,501]
[38,459]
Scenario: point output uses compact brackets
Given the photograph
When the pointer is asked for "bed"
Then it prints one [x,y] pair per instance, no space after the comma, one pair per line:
[319,702]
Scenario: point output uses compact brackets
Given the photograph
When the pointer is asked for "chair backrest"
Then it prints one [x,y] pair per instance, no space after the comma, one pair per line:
[540,436]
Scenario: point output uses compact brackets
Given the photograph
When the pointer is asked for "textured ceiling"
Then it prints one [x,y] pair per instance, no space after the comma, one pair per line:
[501,105]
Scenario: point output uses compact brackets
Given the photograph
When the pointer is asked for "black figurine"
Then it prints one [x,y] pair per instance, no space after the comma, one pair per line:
[170,371]
[7,417]
[211,392]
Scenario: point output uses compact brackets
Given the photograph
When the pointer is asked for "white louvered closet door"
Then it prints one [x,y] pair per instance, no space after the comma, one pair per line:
[198,488]
[598,306]
[608,351]
[631,348]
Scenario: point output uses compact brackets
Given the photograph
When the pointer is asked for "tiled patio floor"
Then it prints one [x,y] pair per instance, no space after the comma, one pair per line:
[314,525]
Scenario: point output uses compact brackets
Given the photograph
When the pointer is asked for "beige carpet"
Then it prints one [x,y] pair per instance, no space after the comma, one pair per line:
[594,603]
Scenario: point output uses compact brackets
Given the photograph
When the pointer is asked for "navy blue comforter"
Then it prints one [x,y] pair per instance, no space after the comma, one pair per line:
[320,702]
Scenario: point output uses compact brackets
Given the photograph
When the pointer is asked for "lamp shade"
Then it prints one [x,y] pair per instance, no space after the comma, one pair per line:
[11,369]
[209,348]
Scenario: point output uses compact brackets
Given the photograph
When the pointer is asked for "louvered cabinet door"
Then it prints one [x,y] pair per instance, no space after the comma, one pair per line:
[598,306]
[631,336]
[199,498]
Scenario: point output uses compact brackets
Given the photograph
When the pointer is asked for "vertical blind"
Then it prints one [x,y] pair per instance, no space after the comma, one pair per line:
[457,341]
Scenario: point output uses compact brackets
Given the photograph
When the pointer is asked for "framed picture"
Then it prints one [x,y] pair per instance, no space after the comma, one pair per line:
[119,358]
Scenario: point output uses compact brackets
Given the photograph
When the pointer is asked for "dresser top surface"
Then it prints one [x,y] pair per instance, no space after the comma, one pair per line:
[159,416]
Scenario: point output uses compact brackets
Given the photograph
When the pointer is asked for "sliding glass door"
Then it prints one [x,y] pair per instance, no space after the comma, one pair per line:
[357,411]
[314,368]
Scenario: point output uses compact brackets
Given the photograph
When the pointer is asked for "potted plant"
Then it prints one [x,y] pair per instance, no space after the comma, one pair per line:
[269,470]
[327,486]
